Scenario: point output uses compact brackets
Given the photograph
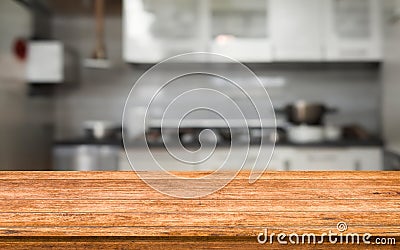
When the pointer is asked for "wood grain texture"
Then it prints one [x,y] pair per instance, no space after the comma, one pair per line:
[117,210]
[159,243]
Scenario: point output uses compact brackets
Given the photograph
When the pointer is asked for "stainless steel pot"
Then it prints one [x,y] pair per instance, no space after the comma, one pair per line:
[306,113]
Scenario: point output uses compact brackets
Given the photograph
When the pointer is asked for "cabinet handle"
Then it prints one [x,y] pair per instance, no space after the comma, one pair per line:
[286,165]
[357,165]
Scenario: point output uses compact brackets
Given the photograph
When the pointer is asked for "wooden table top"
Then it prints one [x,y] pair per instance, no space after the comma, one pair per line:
[118,210]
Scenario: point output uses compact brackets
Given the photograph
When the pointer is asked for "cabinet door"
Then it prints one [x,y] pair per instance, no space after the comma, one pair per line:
[353,30]
[281,159]
[370,159]
[231,160]
[155,30]
[161,158]
[240,29]
[296,30]
[319,159]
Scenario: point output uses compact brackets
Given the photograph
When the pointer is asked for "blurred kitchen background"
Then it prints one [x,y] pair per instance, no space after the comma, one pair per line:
[331,68]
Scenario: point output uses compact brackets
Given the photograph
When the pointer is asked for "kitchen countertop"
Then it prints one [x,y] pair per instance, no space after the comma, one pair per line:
[339,143]
[88,141]
[118,210]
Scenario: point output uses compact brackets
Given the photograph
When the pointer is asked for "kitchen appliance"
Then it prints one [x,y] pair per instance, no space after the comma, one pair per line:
[25,133]
[98,150]
[45,62]
[50,62]
[307,113]
[100,130]
[86,157]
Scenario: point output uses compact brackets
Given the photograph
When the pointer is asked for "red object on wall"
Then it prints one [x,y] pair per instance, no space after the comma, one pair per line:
[20,49]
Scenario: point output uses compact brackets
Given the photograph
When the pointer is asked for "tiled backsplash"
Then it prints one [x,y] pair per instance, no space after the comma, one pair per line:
[354,91]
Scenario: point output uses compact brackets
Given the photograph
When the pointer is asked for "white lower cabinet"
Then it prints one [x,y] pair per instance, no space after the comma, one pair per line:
[331,159]
[204,161]
[142,161]
[288,158]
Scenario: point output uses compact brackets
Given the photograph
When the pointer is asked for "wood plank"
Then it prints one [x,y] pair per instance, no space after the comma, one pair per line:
[127,175]
[234,184]
[199,219]
[160,243]
[147,193]
[177,206]
[56,205]
[212,231]
[261,190]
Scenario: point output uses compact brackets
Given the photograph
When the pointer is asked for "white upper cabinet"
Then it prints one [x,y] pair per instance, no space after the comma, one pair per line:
[353,30]
[240,29]
[253,30]
[155,30]
[297,30]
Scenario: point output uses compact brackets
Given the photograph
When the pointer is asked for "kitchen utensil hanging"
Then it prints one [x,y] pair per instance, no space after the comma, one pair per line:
[99,56]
